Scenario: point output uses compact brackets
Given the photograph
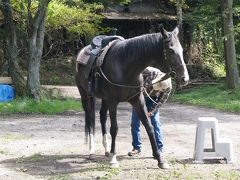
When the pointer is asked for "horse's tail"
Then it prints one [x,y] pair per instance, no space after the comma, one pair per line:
[89,117]
[88,103]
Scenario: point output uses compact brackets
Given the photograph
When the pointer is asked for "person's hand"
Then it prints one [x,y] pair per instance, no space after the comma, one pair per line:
[149,114]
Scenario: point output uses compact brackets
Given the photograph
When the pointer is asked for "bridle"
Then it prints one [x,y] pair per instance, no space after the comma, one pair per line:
[168,60]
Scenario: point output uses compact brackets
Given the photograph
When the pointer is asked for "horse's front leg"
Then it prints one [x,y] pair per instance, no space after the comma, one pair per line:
[141,109]
[103,119]
[113,131]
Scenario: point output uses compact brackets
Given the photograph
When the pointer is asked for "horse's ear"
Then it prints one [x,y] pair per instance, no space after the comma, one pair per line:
[176,31]
[163,32]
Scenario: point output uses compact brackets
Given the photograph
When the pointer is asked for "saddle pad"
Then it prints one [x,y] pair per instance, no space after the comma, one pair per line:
[84,55]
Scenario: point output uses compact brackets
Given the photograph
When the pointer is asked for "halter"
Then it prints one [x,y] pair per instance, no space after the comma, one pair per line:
[166,59]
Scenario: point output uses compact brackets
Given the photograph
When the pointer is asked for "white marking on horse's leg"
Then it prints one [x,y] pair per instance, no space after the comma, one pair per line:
[91,146]
[114,162]
[106,145]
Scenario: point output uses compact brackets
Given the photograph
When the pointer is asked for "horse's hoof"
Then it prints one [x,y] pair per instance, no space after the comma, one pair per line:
[107,154]
[163,165]
[92,156]
[114,165]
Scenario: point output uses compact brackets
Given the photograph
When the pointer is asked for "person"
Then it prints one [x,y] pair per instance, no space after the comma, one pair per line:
[158,91]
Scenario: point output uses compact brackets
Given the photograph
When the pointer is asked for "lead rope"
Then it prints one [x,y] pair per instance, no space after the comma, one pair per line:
[149,96]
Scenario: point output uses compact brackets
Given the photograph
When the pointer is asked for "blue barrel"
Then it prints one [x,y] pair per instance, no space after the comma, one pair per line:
[7,93]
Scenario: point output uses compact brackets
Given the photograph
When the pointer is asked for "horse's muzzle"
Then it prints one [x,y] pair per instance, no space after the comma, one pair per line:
[184,81]
[183,76]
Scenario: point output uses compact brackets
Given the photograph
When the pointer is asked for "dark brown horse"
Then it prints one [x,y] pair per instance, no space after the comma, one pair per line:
[120,80]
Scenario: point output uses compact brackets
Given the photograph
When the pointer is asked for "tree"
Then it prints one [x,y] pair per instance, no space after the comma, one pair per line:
[12,48]
[180,18]
[232,74]
[35,34]
[36,30]
[26,19]
[205,17]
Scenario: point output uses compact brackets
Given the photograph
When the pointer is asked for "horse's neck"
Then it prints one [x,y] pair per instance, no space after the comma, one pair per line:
[147,51]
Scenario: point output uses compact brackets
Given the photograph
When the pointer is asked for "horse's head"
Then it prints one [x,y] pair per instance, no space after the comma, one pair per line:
[173,56]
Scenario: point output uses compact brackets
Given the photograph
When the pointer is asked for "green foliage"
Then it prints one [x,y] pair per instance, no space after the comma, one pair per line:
[125,2]
[205,17]
[216,96]
[26,105]
[106,2]
[77,18]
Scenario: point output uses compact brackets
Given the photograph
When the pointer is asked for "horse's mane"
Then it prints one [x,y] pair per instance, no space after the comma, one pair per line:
[147,45]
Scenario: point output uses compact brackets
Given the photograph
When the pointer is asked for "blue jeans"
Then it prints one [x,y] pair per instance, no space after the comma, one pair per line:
[135,127]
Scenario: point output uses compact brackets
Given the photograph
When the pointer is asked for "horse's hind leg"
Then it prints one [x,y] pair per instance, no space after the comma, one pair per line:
[103,119]
[113,131]
[92,127]
[88,104]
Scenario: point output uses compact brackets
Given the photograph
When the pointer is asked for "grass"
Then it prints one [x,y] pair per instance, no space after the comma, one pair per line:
[13,137]
[34,158]
[213,96]
[47,106]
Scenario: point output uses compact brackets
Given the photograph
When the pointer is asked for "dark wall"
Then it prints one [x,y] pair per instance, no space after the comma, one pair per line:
[131,28]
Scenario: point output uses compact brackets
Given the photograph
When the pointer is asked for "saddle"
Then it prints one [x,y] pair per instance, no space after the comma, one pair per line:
[96,51]
[92,56]
[102,41]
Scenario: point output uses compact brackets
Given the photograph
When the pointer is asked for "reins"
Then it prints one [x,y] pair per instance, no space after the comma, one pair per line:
[143,89]
[115,84]
[166,76]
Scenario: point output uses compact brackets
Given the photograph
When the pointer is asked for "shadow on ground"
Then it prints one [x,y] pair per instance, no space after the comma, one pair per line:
[46,165]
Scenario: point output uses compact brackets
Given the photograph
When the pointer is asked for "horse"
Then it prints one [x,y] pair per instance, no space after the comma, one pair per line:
[120,80]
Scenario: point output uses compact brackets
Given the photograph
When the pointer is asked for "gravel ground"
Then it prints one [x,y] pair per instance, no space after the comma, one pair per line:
[34,146]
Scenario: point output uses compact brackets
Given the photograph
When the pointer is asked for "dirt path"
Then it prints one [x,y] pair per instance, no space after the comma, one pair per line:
[52,147]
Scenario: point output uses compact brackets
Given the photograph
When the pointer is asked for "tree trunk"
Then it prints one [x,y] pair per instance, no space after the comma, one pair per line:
[12,49]
[36,30]
[180,19]
[232,76]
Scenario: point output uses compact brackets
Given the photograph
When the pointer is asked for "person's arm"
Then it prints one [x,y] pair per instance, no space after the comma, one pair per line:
[161,99]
